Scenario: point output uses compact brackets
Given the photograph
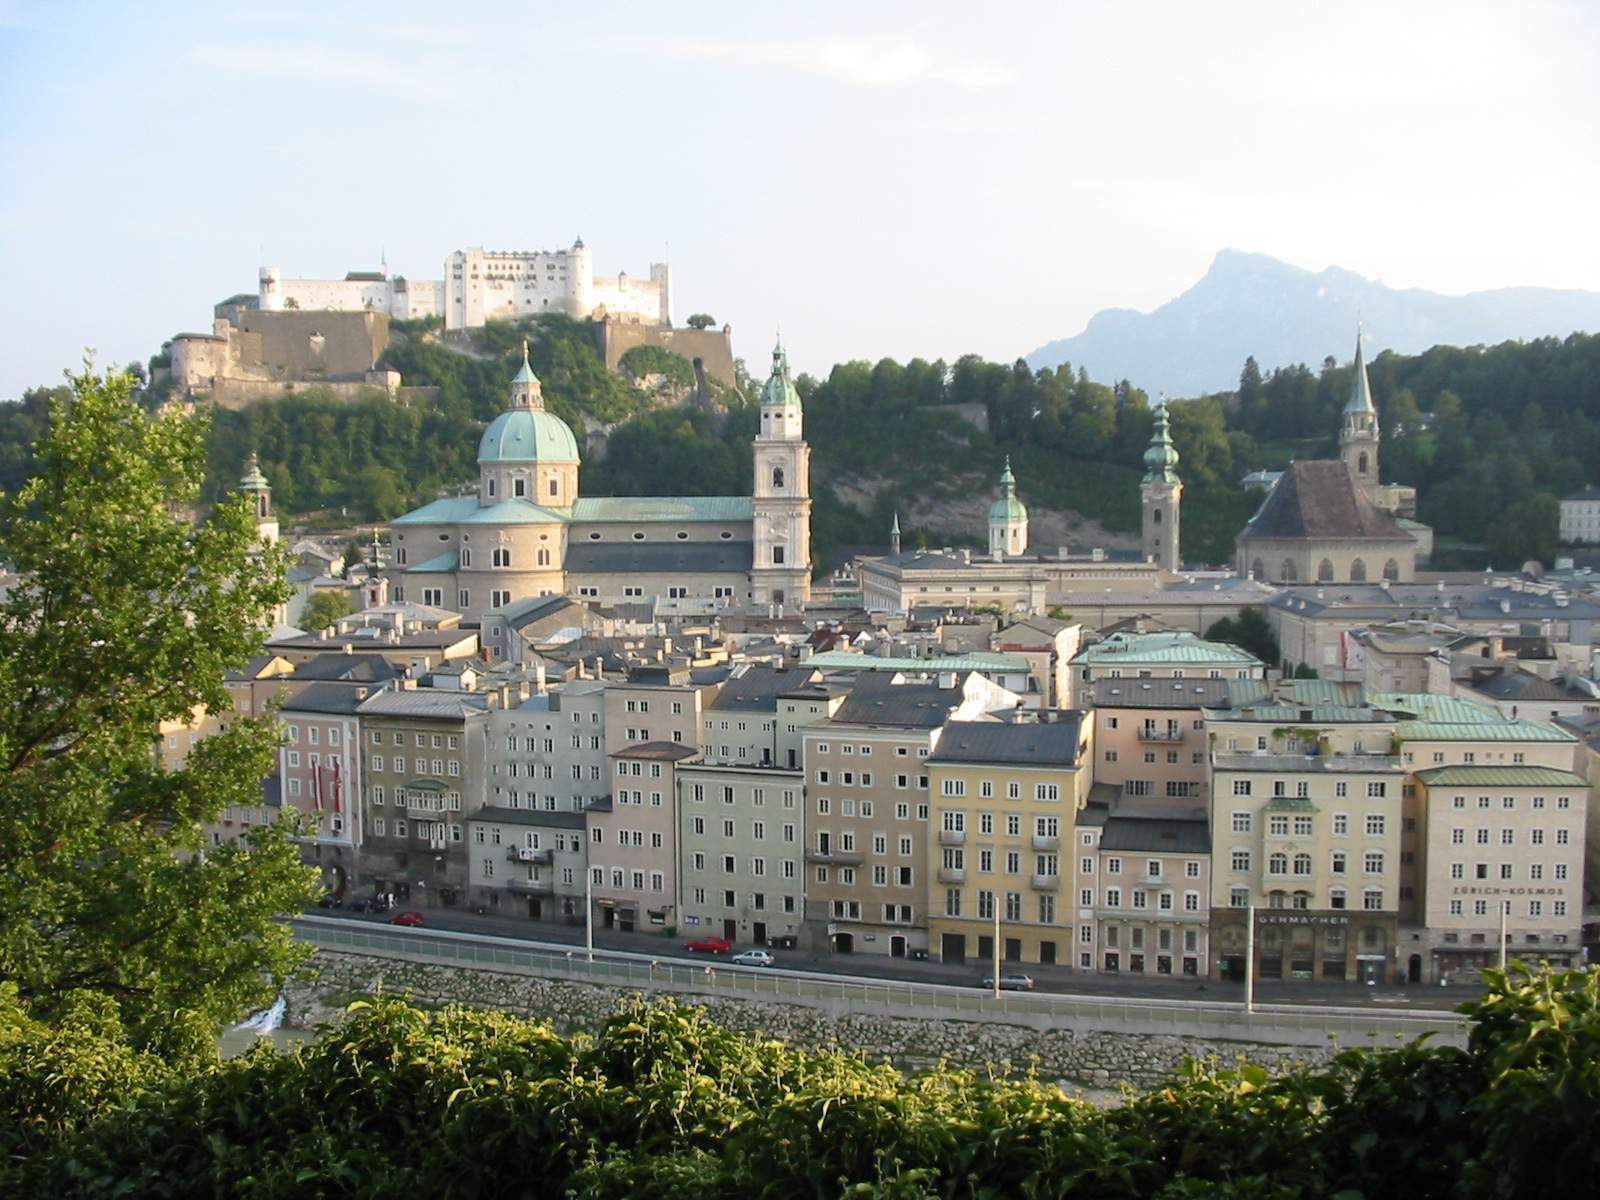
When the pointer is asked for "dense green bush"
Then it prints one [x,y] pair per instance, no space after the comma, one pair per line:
[662,1103]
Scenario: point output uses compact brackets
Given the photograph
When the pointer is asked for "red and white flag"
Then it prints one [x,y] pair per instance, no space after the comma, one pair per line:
[316,783]
[338,786]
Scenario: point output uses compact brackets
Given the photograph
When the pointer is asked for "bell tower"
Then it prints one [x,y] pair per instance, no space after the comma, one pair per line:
[781,570]
[1161,495]
[254,484]
[1358,433]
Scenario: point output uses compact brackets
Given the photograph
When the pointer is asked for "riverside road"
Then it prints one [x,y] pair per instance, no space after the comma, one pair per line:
[874,968]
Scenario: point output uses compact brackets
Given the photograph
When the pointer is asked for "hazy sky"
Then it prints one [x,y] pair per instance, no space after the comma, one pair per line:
[879,179]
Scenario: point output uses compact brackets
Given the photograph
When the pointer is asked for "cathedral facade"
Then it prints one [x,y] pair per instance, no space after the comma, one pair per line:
[528,532]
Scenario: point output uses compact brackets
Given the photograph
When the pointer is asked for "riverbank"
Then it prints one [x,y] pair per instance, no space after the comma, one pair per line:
[1096,1061]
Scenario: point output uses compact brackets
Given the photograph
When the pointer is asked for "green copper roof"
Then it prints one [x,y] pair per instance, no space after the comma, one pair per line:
[1426,706]
[1486,731]
[1161,459]
[1291,804]
[445,564]
[527,435]
[1008,508]
[253,480]
[525,372]
[779,388]
[663,508]
[465,510]
[1360,390]
[1469,776]
[1177,647]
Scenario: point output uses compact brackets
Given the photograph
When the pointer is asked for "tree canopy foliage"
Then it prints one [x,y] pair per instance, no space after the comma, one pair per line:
[129,614]
[1249,631]
[396,1101]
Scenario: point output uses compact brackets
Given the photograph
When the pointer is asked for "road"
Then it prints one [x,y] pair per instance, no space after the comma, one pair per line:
[874,967]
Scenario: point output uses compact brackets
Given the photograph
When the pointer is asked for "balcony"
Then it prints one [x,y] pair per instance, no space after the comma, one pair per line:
[952,837]
[835,858]
[1045,883]
[1149,733]
[527,854]
[952,875]
[438,844]
[532,887]
[423,812]
[1153,881]
[1046,842]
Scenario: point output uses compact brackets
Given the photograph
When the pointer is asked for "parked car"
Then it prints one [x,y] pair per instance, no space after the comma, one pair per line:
[754,958]
[1011,982]
[708,945]
[413,919]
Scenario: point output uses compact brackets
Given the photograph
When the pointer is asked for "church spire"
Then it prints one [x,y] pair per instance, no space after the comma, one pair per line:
[1360,389]
[1161,459]
[894,535]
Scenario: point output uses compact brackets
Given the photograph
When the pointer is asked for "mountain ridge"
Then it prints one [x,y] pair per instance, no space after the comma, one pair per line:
[1250,304]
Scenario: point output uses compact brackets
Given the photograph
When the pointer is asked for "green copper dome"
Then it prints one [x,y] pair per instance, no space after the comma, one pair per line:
[779,388]
[1161,459]
[1008,508]
[252,480]
[527,435]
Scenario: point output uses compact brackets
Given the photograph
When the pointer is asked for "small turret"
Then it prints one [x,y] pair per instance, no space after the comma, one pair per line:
[254,484]
[894,535]
[525,389]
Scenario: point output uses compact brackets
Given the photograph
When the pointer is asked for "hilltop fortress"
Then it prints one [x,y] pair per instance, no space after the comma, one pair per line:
[483,285]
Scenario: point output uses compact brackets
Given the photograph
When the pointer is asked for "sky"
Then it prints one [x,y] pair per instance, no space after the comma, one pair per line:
[874,179]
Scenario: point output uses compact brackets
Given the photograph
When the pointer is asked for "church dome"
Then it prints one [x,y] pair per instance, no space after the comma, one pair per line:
[526,435]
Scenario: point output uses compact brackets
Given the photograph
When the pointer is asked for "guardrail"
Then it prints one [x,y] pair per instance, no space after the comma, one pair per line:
[1275,1024]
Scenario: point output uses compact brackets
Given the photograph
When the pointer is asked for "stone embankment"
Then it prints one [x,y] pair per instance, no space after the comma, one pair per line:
[1097,1061]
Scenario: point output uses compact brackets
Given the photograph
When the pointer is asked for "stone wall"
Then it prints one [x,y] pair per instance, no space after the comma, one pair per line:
[712,348]
[1096,1061]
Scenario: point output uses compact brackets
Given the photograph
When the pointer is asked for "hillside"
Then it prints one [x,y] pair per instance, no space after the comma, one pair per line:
[1253,305]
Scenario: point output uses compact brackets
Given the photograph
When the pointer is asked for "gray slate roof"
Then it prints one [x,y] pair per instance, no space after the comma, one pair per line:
[328,698]
[758,689]
[1320,499]
[347,668]
[528,816]
[1146,835]
[877,700]
[434,704]
[1015,744]
[659,557]
[1165,693]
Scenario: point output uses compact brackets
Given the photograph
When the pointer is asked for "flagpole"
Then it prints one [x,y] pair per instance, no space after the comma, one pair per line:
[1250,958]
[588,911]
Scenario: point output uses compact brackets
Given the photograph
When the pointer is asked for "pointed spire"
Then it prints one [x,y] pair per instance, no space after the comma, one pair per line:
[779,388]
[1360,389]
[894,535]
[895,528]
[1161,459]
[1008,481]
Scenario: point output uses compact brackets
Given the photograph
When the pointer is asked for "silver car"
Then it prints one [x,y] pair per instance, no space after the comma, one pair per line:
[754,958]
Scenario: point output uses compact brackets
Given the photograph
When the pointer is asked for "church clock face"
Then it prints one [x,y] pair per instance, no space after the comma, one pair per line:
[777,529]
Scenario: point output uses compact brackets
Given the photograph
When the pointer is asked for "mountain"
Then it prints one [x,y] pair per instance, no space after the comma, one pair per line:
[1252,304]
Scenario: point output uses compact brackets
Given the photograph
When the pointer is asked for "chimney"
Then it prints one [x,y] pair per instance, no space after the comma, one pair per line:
[666,647]
[947,680]
[349,648]
[538,677]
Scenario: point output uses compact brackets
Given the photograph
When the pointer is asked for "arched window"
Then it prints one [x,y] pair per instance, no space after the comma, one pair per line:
[1361,463]
[1325,571]
[502,556]
[1278,864]
[1302,864]
[555,486]
[1302,900]
[1288,572]
[1258,570]
[1155,517]
[777,477]
[1391,571]
[466,556]
[1358,571]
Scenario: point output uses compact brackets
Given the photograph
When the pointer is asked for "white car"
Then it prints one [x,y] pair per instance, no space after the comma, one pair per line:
[754,958]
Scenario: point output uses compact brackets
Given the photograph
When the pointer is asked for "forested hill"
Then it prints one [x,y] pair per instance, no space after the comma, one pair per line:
[1490,436]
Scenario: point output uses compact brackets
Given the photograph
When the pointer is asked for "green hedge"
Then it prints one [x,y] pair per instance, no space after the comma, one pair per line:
[399,1102]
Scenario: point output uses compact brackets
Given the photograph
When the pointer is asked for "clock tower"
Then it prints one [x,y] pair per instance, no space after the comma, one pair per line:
[780,572]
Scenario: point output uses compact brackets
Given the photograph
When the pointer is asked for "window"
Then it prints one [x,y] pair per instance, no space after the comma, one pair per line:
[1341,824]
[1374,824]
[1241,860]
[1372,862]
[1241,822]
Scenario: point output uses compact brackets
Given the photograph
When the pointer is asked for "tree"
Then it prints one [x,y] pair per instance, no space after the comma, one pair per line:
[128,615]
[701,321]
[323,609]
[1249,631]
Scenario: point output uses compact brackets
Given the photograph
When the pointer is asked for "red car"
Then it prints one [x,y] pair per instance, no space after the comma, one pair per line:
[413,919]
[709,945]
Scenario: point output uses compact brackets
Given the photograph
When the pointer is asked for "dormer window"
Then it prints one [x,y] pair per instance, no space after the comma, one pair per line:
[519,487]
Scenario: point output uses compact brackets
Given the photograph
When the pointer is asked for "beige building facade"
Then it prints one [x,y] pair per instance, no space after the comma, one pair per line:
[633,840]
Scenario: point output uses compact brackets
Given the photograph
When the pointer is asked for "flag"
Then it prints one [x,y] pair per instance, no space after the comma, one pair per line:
[338,786]
[316,783]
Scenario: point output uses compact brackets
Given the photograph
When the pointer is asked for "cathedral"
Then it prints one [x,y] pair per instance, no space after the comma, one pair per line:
[527,531]
[1331,521]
